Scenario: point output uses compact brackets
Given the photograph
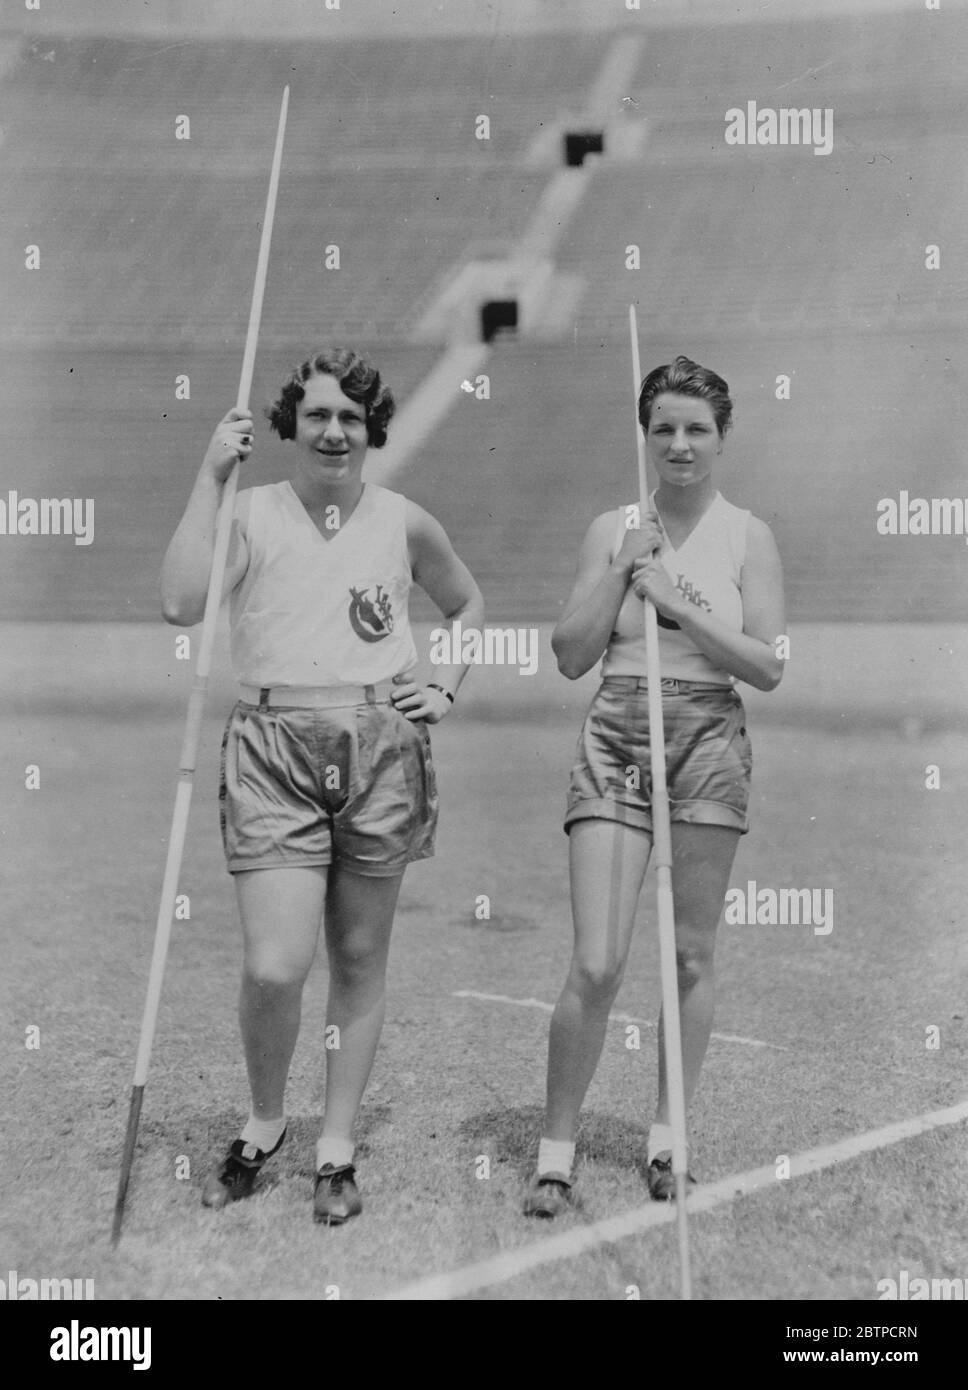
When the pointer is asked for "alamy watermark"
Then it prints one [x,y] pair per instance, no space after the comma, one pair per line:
[48,516]
[919,1289]
[495,646]
[18,1288]
[765,125]
[783,907]
[921,516]
[77,1343]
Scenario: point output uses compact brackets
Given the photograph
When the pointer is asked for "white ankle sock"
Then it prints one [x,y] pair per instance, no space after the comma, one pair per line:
[265,1134]
[660,1141]
[555,1156]
[338,1152]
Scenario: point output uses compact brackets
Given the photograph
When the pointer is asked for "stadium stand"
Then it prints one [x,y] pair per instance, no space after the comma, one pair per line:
[792,262]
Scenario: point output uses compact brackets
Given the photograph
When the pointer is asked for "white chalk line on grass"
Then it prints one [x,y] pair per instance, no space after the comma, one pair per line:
[511,1263]
[614,1018]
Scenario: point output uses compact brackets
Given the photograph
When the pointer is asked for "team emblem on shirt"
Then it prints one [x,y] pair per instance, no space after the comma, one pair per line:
[370,618]
[692,593]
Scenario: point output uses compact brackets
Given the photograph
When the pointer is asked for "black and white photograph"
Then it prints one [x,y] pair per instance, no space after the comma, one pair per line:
[484,572]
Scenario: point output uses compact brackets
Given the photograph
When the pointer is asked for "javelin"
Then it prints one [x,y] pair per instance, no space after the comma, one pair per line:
[662,843]
[196,702]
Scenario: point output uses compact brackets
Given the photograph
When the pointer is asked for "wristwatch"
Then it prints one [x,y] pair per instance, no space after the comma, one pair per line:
[432,685]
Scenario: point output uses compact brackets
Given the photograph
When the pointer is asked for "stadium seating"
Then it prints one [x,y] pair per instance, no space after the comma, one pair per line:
[789,262]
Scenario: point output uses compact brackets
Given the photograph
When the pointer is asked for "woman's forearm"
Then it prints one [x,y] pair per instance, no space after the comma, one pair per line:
[470,615]
[748,658]
[188,559]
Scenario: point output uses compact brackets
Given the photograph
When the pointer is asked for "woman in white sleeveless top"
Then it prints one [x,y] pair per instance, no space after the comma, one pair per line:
[714,575]
[327,787]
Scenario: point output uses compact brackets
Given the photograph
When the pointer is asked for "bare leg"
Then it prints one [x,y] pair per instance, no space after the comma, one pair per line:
[281,911]
[702,857]
[608,862]
[359,917]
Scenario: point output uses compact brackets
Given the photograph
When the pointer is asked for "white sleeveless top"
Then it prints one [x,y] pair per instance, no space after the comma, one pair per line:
[707,569]
[316,612]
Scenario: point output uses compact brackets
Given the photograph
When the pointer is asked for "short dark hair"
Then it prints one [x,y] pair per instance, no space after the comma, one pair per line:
[358,379]
[683,377]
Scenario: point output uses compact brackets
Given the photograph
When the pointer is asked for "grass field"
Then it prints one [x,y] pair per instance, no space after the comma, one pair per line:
[842,1017]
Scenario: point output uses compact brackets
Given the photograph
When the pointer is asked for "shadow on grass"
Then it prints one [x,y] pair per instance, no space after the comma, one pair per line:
[609,1152]
[511,1136]
[205,1138]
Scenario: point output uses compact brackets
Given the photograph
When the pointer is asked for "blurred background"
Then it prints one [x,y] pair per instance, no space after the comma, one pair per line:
[756,261]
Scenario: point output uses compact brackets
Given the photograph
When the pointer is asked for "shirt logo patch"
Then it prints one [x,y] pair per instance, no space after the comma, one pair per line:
[692,593]
[370,619]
